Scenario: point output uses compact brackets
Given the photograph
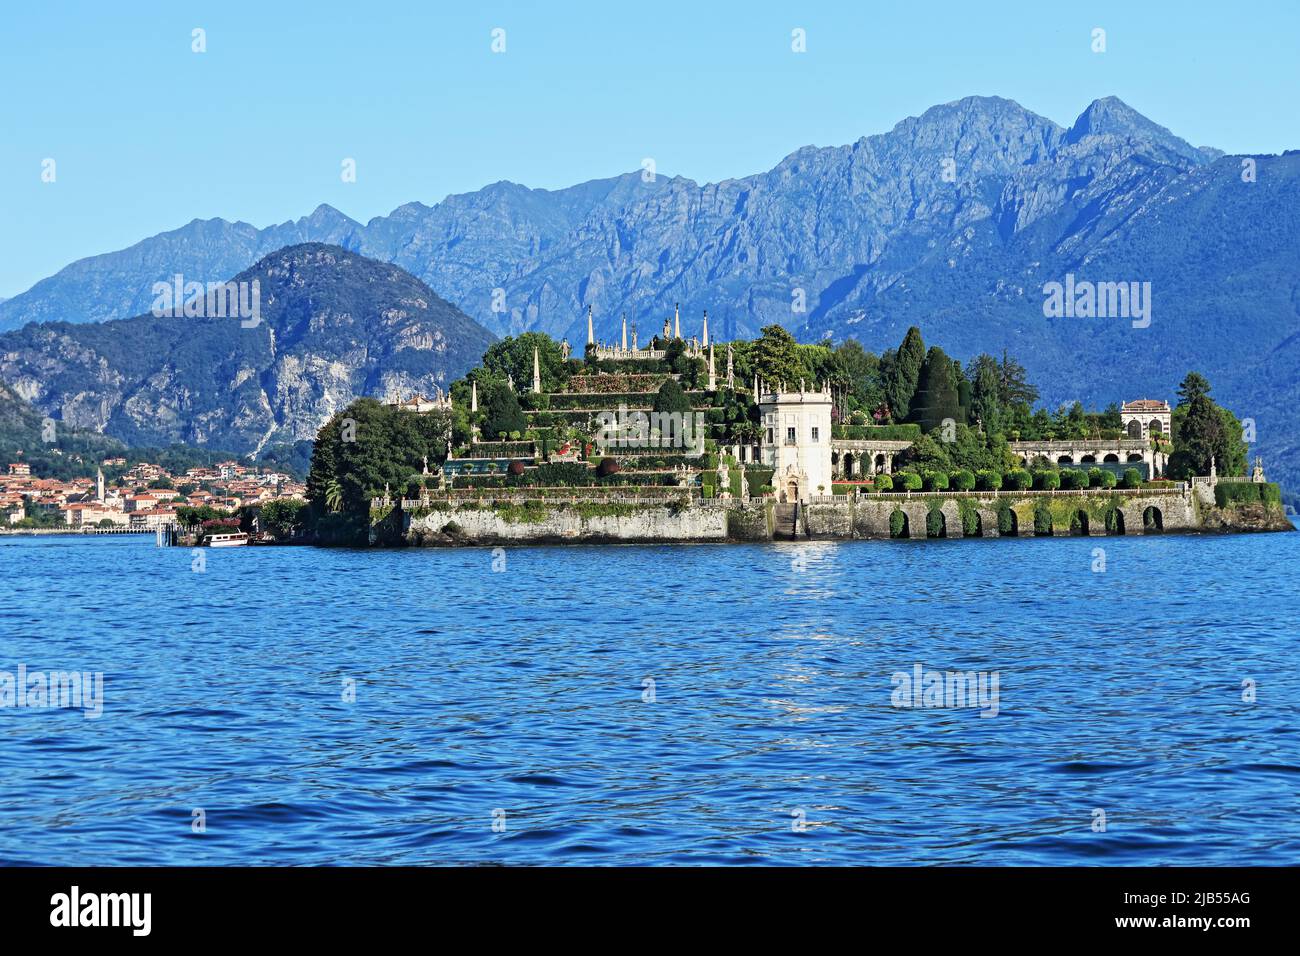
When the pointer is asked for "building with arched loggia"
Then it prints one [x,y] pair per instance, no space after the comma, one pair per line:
[1146,417]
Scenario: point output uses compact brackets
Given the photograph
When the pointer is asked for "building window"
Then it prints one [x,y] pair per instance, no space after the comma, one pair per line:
[790,436]
[771,439]
[814,438]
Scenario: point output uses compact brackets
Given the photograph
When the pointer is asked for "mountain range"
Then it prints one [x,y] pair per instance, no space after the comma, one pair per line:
[330,326]
[953,220]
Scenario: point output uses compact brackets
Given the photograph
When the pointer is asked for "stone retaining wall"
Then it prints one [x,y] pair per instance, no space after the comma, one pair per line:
[867,516]
[559,523]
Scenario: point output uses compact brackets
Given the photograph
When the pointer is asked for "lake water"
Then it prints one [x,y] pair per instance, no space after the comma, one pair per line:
[508,716]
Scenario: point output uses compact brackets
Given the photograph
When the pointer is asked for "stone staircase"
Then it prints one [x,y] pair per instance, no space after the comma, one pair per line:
[785,522]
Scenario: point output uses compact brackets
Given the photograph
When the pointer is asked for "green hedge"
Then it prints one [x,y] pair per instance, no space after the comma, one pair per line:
[877,432]
[1230,493]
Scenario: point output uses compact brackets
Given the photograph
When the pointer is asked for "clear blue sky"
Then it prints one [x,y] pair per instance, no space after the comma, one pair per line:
[148,135]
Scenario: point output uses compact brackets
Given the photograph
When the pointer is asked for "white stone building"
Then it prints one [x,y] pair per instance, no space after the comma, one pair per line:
[796,440]
[1146,417]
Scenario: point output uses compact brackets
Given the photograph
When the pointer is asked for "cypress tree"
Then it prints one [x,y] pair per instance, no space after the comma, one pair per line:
[937,396]
[904,373]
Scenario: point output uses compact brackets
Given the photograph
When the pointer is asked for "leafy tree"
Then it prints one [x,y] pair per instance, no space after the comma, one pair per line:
[776,358]
[855,377]
[513,358]
[365,448]
[283,516]
[926,454]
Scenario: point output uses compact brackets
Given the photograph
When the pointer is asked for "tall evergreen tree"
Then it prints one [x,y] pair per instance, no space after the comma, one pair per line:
[986,405]
[904,373]
[937,395]
[1193,384]
[1013,384]
[501,411]
[1201,436]
[671,398]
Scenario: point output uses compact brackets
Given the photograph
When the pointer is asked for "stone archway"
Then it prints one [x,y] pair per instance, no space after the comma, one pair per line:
[1112,458]
[1115,521]
[880,464]
[1153,522]
[1065,460]
[1135,429]
[1079,523]
[792,490]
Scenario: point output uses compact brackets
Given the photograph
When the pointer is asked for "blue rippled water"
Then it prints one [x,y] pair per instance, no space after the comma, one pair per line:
[771,737]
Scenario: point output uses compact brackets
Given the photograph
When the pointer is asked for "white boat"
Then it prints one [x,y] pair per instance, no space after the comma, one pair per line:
[233,540]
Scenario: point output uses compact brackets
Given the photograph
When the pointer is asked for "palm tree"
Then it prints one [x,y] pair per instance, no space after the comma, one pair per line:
[333,495]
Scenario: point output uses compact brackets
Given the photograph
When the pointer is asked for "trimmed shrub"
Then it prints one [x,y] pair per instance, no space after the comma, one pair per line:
[1108,479]
[1042,519]
[1073,478]
[962,480]
[936,481]
[516,468]
[1017,479]
[897,524]
[884,483]
[1132,478]
[988,480]
[909,481]
[934,523]
[1047,480]
[1230,493]
[1006,520]
[607,467]
[1095,479]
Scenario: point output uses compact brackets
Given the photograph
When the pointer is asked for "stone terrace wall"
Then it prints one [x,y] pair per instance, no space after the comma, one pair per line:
[559,522]
[868,516]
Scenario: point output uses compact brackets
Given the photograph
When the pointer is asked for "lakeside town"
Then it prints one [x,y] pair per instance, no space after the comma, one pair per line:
[140,497]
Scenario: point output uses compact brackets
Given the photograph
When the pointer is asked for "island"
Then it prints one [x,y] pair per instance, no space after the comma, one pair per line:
[692,440]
